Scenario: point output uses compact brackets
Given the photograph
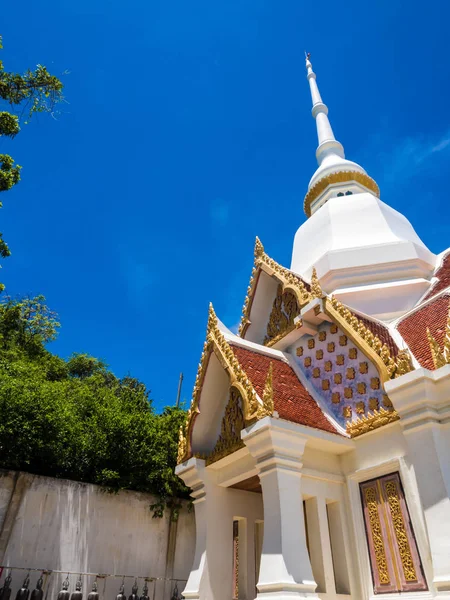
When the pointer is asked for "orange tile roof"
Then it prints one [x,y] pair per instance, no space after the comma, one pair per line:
[381,331]
[443,274]
[413,328]
[291,399]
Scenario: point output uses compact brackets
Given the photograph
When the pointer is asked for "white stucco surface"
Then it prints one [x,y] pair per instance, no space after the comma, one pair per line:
[74,527]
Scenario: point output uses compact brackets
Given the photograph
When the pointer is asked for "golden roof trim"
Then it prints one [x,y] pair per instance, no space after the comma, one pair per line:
[441,356]
[289,280]
[368,343]
[373,421]
[253,407]
[339,177]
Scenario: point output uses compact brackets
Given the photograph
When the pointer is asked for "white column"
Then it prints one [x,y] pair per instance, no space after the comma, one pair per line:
[422,399]
[285,571]
[211,574]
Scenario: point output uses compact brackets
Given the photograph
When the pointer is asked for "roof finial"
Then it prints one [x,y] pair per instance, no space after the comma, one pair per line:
[327,142]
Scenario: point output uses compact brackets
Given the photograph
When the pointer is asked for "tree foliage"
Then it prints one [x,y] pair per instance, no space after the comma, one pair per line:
[74,418]
[30,92]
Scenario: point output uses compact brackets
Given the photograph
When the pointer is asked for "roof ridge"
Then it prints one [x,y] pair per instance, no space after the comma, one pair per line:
[422,305]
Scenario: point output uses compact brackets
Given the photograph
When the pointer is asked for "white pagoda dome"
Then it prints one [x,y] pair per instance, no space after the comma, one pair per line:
[365,252]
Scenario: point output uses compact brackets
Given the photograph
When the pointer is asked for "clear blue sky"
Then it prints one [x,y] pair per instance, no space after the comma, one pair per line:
[187,132]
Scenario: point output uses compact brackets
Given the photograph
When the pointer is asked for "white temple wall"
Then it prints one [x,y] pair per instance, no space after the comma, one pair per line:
[382,452]
[72,527]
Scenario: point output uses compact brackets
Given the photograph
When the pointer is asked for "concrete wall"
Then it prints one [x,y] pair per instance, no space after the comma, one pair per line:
[72,527]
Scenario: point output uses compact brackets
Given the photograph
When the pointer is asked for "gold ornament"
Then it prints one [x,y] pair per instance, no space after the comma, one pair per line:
[287,278]
[436,353]
[400,530]
[267,407]
[371,422]
[340,177]
[230,432]
[316,290]
[370,496]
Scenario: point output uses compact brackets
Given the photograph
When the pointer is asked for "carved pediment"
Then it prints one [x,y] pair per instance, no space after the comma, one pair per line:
[230,431]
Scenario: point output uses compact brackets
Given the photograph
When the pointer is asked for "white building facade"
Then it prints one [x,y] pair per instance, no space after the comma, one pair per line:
[317,445]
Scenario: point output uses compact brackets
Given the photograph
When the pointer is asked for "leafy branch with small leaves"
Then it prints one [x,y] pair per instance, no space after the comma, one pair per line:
[33,92]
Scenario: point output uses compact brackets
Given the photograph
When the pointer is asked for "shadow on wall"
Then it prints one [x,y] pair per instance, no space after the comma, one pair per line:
[68,527]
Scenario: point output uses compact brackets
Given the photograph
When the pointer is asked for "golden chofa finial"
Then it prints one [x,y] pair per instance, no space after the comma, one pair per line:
[316,290]
[259,248]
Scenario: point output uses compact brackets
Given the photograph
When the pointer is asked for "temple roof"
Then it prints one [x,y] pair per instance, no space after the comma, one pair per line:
[431,315]
[291,399]
[442,274]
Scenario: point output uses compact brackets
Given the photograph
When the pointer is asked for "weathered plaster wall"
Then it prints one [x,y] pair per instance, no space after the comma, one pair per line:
[73,527]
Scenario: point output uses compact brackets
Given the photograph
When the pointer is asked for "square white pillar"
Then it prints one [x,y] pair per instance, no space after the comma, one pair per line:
[285,571]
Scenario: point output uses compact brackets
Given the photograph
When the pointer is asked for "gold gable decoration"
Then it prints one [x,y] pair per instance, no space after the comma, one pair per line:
[371,422]
[370,344]
[281,321]
[287,279]
[230,431]
[253,407]
[441,356]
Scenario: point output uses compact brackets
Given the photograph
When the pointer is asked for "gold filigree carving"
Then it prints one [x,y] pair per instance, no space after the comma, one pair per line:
[369,343]
[353,353]
[350,373]
[360,407]
[316,290]
[375,383]
[281,321]
[400,531]
[262,262]
[230,431]
[373,404]
[267,407]
[341,177]
[182,445]
[370,496]
[371,422]
[436,352]
[335,397]
[404,363]
[216,342]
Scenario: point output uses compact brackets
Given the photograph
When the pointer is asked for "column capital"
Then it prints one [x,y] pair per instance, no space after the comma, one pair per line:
[275,443]
[421,397]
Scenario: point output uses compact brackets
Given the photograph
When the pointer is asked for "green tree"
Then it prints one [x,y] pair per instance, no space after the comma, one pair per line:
[75,418]
[31,92]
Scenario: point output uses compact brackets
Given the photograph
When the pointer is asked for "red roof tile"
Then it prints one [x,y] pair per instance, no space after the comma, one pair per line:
[443,274]
[291,399]
[382,332]
[413,328]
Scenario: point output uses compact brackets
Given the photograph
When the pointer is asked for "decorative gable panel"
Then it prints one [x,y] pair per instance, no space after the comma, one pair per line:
[343,377]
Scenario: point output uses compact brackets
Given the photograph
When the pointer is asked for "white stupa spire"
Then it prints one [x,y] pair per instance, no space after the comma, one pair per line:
[327,142]
[330,153]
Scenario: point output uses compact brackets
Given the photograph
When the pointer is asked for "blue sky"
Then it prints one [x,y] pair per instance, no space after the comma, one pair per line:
[188,132]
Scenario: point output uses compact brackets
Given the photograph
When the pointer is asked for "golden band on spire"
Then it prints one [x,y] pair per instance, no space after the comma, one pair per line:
[340,177]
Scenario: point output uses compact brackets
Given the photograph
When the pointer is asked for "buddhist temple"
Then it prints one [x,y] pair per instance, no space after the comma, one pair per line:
[317,443]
